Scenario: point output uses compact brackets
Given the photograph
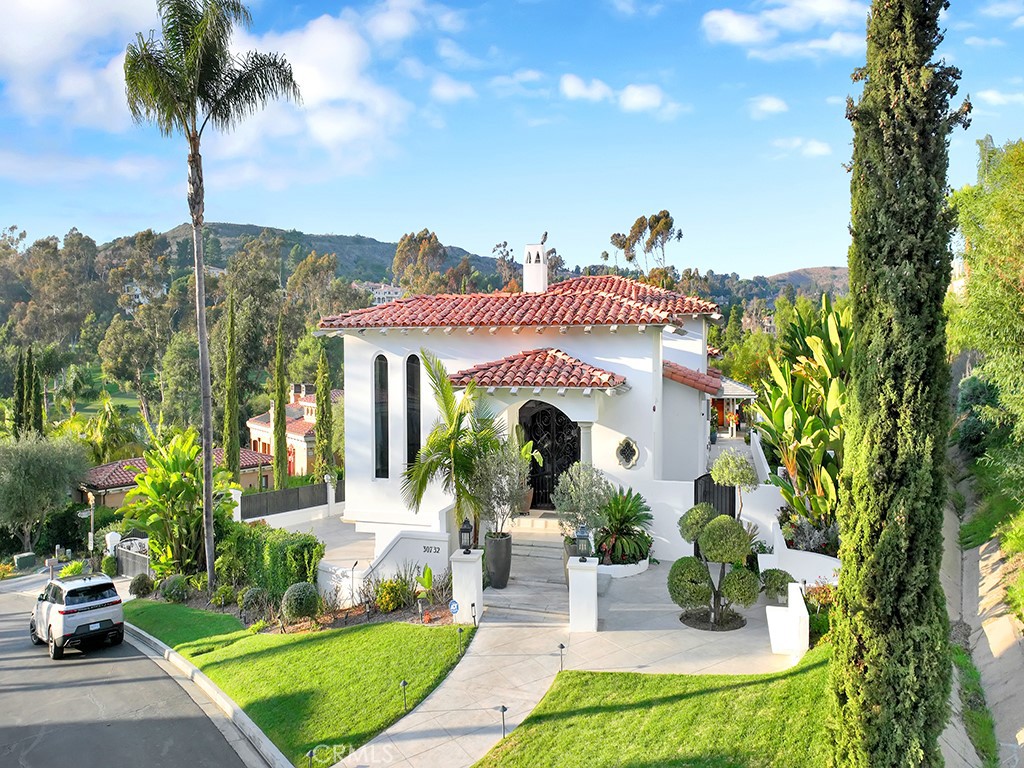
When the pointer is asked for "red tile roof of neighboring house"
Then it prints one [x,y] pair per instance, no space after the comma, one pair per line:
[714,352]
[538,368]
[295,422]
[712,371]
[116,474]
[336,395]
[702,382]
[595,300]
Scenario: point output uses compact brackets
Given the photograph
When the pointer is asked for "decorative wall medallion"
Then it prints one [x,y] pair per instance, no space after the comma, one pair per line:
[627,453]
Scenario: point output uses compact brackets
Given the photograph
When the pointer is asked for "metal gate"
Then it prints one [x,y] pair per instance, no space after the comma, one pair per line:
[557,438]
[721,497]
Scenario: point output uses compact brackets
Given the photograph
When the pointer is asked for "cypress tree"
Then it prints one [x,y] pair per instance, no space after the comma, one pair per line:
[28,404]
[891,664]
[280,415]
[232,452]
[38,420]
[323,456]
[18,424]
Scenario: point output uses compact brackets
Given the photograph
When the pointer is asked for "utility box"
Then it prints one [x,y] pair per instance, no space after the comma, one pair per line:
[24,560]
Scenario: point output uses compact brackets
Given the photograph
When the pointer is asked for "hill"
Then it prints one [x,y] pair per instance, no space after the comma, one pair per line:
[835,280]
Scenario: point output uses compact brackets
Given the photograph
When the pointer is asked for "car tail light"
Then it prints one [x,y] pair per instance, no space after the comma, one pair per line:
[69,611]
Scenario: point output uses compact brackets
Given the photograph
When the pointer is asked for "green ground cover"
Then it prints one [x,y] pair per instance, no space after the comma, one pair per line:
[976,715]
[995,506]
[335,687]
[631,720]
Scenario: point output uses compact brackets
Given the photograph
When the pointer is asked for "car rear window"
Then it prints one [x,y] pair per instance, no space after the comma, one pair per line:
[90,593]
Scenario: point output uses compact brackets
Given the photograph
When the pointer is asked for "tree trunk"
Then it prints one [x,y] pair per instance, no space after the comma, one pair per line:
[195,205]
[716,597]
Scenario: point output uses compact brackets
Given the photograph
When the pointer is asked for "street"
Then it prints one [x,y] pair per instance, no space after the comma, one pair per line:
[94,709]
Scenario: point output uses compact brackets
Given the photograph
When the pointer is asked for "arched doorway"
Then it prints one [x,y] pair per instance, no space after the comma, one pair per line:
[557,438]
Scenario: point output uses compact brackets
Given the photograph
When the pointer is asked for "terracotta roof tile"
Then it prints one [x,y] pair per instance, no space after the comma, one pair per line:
[538,368]
[295,422]
[702,382]
[336,395]
[597,300]
[116,474]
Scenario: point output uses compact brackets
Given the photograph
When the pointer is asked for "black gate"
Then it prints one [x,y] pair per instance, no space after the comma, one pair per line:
[557,438]
[721,497]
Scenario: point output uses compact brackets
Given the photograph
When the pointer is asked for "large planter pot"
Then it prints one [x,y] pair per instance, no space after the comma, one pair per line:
[499,559]
[624,570]
[527,501]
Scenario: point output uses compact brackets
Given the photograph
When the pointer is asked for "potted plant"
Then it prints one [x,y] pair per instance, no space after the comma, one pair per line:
[580,497]
[500,481]
[623,539]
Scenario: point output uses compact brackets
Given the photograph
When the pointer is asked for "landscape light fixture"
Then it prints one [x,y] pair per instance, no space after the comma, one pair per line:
[561,651]
[310,756]
[466,536]
[472,610]
[583,542]
[503,709]
[461,630]
[405,699]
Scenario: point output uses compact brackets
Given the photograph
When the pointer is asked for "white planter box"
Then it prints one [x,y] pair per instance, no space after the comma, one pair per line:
[624,571]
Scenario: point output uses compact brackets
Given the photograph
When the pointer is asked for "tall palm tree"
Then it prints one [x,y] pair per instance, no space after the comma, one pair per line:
[183,82]
[465,430]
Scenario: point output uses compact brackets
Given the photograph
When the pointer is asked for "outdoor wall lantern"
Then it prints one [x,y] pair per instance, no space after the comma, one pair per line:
[466,536]
[583,542]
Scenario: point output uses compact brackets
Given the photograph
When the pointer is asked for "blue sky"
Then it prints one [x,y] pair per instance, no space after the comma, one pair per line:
[491,121]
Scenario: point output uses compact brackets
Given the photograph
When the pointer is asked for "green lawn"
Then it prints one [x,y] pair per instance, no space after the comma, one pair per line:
[629,720]
[994,506]
[976,715]
[337,687]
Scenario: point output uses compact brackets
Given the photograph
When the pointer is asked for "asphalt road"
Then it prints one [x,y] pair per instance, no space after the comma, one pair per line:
[102,707]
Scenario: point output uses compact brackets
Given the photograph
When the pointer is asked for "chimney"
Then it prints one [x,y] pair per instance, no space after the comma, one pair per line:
[535,269]
[296,393]
[308,389]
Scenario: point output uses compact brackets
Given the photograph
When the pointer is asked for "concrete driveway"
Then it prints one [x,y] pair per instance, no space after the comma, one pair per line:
[94,709]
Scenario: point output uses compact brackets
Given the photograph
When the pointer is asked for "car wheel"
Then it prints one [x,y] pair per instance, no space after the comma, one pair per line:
[56,652]
[32,633]
[118,638]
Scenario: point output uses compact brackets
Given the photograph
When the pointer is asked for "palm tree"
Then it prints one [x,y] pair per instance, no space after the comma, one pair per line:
[76,383]
[185,81]
[464,431]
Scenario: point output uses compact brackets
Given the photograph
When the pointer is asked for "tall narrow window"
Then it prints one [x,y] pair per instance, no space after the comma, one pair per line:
[380,417]
[412,408]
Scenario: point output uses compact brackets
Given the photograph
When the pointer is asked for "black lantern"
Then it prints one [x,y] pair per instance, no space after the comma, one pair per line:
[466,536]
[583,542]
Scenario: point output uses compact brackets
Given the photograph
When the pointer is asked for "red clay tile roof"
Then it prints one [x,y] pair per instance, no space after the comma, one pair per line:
[597,300]
[714,352]
[116,474]
[295,423]
[336,395]
[538,368]
[712,371]
[702,382]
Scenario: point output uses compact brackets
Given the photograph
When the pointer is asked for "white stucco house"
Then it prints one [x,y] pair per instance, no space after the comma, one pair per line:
[601,369]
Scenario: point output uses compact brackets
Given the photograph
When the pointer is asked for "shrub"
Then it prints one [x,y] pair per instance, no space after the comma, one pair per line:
[694,519]
[270,558]
[258,626]
[6,569]
[776,583]
[820,597]
[198,582]
[254,603]
[174,589]
[971,434]
[141,586]
[724,540]
[72,569]
[109,565]
[689,583]
[623,538]
[819,624]
[580,495]
[301,601]
[224,595]
[392,594]
[740,586]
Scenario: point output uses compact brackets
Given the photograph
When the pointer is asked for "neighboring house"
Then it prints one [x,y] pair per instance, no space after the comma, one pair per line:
[300,427]
[730,397]
[601,369]
[382,292]
[110,482]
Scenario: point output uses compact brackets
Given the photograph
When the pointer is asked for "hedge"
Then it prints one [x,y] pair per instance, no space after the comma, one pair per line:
[273,558]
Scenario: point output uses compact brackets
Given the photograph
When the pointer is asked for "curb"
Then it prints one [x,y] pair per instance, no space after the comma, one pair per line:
[264,746]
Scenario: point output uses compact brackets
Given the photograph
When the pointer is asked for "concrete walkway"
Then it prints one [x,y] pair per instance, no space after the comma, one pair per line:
[514,658]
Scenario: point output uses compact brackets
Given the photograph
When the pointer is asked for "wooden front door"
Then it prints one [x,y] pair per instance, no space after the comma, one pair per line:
[557,438]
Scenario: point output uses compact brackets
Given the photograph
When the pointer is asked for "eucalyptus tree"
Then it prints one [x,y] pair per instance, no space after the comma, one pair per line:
[185,81]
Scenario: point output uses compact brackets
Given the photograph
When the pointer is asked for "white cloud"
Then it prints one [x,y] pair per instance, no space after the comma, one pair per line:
[805,147]
[835,100]
[522,82]
[448,90]
[574,87]
[760,32]
[50,168]
[1019,22]
[641,98]
[632,8]
[454,56]
[394,20]
[984,42]
[764,106]
[996,98]
[1003,8]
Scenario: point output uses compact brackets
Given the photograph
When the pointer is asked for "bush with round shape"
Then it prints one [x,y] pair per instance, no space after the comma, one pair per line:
[109,565]
[689,584]
[301,601]
[392,594]
[724,540]
[224,595]
[254,603]
[694,519]
[740,587]
[174,589]
[141,586]
[776,583]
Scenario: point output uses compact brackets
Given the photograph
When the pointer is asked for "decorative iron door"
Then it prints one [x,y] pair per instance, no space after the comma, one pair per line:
[557,438]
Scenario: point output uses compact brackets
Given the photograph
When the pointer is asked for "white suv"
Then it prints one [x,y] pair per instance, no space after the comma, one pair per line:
[76,609]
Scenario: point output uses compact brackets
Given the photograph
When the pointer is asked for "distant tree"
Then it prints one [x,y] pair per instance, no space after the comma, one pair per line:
[890,667]
[232,453]
[181,405]
[661,230]
[506,263]
[280,426]
[323,455]
[417,263]
[734,328]
[338,437]
[126,357]
[76,383]
[18,419]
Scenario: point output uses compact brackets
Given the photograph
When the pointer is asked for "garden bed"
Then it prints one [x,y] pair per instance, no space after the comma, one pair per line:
[624,570]
[337,687]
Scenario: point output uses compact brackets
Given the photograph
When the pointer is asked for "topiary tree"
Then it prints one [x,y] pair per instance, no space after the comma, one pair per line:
[732,468]
[721,540]
[580,495]
[300,601]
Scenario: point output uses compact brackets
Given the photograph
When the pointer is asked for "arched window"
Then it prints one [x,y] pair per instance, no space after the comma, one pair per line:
[412,408]
[380,417]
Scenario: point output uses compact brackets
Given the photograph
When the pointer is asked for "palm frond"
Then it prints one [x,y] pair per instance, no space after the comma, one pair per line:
[152,86]
[255,79]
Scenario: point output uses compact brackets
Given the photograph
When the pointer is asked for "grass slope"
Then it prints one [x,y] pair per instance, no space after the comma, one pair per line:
[630,720]
[338,688]
[995,505]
